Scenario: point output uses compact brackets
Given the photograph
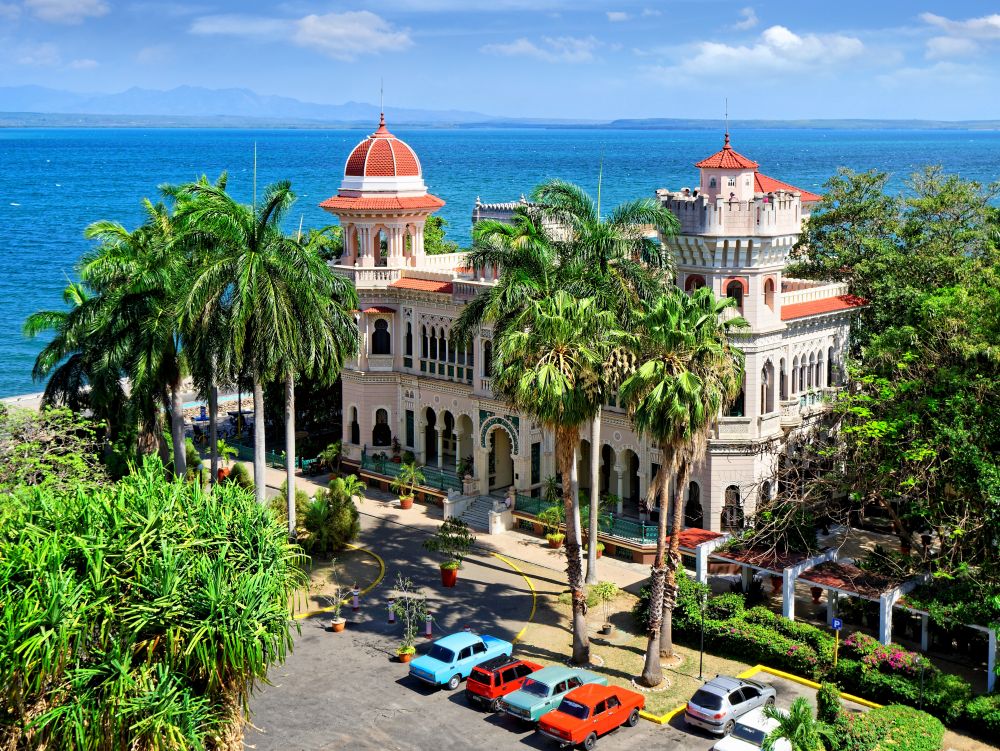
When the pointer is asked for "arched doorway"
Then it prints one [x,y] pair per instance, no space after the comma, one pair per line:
[381,432]
[430,438]
[463,433]
[732,512]
[449,443]
[501,469]
[630,481]
[609,480]
[583,465]
[767,388]
[694,516]
[355,427]
[381,338]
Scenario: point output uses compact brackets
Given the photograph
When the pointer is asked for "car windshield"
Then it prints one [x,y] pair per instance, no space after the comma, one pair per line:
[706,699]
[574,709]
[437,652]
[534,687]
[479,676]
[748,734]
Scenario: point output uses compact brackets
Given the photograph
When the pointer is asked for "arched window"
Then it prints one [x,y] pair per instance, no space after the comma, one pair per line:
[782,381]
[381,339]
[820,379]
[736,409]
[355,427]
[732,512]
[712,182]
[381,433]
[434,344]
[487,359]
[830,368]
[693,514]
[769,293]
[423,341]
[765,493]
[795,374]
[735,290]
[409,339]
[802,373]
[810,370]
[693,282]
[767,388]
[442,346]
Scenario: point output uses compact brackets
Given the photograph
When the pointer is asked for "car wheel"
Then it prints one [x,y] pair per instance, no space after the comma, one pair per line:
[454,682]
[495,705]
[769,702]
[633,719]
[728,727]
[590,741]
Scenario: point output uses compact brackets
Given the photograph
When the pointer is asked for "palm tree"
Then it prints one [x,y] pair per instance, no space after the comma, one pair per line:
[548,364]
[255,274]
[798,726]
[79,377]
[624,267]
[688,371]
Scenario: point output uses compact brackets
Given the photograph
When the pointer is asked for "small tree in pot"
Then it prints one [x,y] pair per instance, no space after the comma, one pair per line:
[406,482]
[605,594]
[337,595]
[453,540]
[552,517]
[411,610]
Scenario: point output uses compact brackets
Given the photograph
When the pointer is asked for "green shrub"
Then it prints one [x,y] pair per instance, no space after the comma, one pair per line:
[982,715]
[687,613]
[724,607]
[240,475]
[943,694]
[279,505]
[828,706]
[331,520]
[892,728]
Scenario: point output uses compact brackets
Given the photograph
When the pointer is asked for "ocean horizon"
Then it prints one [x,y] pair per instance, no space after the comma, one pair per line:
[56,181]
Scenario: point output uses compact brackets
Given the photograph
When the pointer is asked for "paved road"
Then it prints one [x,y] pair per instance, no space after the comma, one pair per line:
[347,691]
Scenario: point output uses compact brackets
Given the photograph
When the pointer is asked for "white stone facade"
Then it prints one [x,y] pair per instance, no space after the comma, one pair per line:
[411,384]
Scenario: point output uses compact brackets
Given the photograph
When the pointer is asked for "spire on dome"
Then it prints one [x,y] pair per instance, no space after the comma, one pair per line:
[727,158]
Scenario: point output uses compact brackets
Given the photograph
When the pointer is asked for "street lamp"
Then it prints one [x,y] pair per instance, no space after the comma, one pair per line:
[702,601]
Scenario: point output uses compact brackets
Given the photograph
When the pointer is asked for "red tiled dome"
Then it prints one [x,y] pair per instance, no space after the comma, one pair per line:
[727,159]
[382,155]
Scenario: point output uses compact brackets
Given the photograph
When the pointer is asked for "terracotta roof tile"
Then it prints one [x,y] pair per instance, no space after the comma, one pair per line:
[423,285]
[765,184]
[848,578]
[382,155]
[382,203]
[823,305]
[727,159]
[379,309]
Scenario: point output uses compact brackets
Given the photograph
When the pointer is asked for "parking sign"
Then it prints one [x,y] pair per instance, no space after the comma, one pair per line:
[836,624]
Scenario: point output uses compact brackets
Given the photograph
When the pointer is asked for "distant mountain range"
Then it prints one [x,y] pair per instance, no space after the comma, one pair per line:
[195,106]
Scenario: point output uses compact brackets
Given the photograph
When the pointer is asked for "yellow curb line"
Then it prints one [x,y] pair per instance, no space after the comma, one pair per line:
[534,595]
[366,590]
[805,682]
[662,719]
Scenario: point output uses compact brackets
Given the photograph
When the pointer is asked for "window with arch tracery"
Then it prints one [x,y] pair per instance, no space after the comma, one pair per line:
[487,359]
[424,345]
[434,344]
[408,343]
[735,290]
[694,517]
[769,293]
[442,346]
[381,339]
[733,518]
[830,368]
[381,432]
[355,427]
[782,381]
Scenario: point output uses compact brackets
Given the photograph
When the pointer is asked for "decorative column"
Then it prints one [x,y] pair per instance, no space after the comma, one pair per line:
[440,447]
[619,476]
[458,450]
[420,441]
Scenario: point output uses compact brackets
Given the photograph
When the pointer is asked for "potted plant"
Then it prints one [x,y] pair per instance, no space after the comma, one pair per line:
[405,483]
[411,610]
[396,448]
[338,594]
[453,540]
[605,593]
[817,593]
[409,457]
[465,467]
[600,549]
[551,518]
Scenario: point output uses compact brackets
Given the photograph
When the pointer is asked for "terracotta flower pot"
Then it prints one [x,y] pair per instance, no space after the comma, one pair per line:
[449,576]
[223,473]
[555,542]
[338,625]
[817,593]
[406,502]
[404,656]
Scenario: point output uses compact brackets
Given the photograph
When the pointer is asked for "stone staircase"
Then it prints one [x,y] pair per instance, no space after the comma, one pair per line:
[477,515]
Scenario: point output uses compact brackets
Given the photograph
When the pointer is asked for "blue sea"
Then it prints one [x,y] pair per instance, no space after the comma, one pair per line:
[54,182]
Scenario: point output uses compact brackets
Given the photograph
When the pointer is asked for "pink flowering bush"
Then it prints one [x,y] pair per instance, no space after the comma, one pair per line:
[886,658]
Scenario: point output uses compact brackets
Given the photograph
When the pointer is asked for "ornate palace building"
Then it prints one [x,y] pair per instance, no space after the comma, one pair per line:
[410,384]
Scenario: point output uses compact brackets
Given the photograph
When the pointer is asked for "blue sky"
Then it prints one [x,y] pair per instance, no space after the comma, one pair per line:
[544,58]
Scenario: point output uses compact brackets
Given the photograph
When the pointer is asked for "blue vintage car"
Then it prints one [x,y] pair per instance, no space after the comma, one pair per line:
[452,658]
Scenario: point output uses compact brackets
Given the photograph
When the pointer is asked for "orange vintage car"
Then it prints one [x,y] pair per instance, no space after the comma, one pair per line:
[591,711]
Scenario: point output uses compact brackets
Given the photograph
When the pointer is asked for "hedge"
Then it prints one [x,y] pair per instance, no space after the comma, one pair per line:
[891,728]
[888,674]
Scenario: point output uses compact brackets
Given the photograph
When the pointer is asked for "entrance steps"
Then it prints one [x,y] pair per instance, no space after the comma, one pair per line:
[477,515]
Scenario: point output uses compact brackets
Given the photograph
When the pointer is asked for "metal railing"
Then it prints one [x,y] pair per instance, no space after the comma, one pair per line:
[434,478]
[621,528]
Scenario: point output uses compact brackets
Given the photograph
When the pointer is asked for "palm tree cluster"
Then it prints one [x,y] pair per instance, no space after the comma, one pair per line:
[584,312]
[205,287]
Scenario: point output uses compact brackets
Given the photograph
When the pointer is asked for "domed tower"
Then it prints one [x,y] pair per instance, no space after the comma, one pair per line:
[382,203]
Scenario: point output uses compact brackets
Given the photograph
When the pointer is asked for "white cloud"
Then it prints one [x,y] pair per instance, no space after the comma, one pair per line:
[153,55]
[940,47]
[66,11]
[961,37]
[342,36]
[617,15]
[44,55]
[648,12]
[749,20]
[777,50]
[10,11]
[551,49]
[944,73]
[84,63]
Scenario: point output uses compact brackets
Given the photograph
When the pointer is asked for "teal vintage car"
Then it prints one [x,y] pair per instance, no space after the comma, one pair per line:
[542,691]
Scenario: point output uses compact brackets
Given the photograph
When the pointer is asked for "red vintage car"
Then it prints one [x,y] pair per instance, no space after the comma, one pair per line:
[496,678]
[590,711]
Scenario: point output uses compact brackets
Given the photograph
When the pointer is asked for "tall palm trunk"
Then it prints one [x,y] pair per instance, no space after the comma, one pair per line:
[290,449]
[568,441]
[177,430]
[673,561]
[595,496]
[213,430]
[259,458]
[652,673]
